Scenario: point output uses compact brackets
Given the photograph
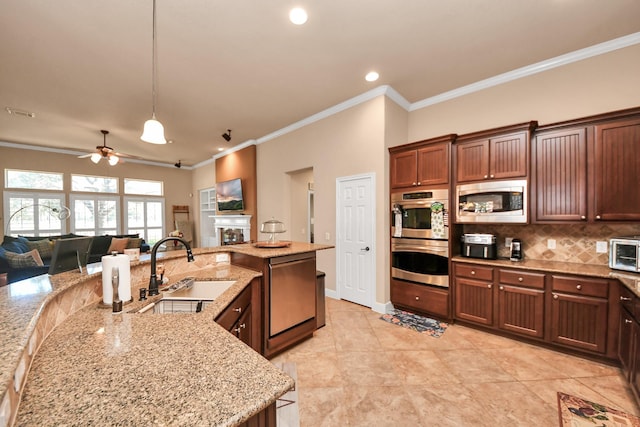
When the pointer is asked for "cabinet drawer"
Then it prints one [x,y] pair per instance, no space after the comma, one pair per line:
[474,272]
[420,297]
[231,314]
[580,286]
[521,278]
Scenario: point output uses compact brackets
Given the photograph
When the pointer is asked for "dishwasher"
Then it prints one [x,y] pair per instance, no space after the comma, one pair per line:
[293,291]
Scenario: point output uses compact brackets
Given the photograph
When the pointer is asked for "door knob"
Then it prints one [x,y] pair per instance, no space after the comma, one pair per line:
[366,249]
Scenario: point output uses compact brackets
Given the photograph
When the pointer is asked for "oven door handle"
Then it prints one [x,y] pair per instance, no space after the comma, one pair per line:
[409,248]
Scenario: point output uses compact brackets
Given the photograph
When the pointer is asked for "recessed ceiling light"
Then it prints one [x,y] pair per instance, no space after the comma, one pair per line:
[371,76]
[220,149]
[298,15]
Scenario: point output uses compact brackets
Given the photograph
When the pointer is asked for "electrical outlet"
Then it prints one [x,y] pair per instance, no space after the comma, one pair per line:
[507,241]
[601,247]
[551,243]
[327,236]
[303,231]
[222,257]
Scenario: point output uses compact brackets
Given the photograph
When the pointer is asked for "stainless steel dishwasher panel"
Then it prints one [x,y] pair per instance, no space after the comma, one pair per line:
[293,292]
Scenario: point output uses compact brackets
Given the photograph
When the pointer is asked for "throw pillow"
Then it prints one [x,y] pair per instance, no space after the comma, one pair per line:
[118,245]
[134,242]
[15,244]
[29,259]
[44,247]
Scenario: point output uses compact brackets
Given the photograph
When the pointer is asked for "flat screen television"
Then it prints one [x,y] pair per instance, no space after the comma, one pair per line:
[229,195]
[70,254]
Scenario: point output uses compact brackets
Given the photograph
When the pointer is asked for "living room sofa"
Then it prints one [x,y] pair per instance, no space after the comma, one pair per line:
[19,261]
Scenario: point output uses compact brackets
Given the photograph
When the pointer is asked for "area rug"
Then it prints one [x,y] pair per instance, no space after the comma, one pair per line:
[424,325]
[577,412]
[287,414]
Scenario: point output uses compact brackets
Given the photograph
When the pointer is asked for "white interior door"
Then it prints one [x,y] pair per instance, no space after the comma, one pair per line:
[355,239]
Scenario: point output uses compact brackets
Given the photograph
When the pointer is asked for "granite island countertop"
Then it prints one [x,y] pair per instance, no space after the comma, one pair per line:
[31,310]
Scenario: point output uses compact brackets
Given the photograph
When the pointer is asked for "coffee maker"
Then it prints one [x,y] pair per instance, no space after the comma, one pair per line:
[516,250]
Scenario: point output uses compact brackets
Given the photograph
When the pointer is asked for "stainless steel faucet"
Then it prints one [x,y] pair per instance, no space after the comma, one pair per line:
[153,281]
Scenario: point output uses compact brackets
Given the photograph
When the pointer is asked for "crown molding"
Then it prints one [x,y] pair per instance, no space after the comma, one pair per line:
[529,70]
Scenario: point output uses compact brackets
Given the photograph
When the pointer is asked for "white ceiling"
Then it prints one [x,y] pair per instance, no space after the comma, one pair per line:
[82,66]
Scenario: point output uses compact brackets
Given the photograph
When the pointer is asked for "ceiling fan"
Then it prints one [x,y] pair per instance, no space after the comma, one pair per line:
[105,152]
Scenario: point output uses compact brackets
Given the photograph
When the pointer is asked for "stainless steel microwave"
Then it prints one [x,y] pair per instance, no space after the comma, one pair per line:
[624,253]
[492,202]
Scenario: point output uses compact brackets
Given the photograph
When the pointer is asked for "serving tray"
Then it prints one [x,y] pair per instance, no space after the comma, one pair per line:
[280,244]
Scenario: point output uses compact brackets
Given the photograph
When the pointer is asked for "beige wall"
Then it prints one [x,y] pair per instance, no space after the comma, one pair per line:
[177,182]
[592,86]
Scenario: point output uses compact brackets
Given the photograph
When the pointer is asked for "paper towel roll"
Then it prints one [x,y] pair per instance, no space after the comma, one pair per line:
[120,261]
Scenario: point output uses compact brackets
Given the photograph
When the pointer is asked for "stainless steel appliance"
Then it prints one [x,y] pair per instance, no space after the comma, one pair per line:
[420,260]
[412,214]
[624,253]
[479,246]
[516,250]
[492,202]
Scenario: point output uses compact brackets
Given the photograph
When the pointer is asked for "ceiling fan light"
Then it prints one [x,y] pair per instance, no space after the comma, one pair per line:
[95,157]
[153,132]
[113,160]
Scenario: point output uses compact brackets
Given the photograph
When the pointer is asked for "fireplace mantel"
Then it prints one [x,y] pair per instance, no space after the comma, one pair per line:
[239,225]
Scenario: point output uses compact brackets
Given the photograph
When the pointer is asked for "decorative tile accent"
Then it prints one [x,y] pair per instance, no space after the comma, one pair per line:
[574,242]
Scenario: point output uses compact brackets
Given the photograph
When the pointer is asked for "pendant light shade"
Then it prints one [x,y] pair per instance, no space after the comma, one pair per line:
[153,131]
[95,157]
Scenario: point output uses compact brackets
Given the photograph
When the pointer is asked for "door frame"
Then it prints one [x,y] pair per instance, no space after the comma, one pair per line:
[371,293]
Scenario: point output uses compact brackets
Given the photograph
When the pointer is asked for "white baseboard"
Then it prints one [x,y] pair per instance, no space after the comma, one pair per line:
[377,307]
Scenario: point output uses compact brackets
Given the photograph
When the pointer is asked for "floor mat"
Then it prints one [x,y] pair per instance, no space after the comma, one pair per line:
[424,325]
[577,412]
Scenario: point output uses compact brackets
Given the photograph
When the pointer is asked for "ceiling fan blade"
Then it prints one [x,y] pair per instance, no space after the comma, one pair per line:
[84,156]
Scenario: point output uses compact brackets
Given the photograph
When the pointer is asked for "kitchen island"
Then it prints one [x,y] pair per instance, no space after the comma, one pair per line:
[73,362]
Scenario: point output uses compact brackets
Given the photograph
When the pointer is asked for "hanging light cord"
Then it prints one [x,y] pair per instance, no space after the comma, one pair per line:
[153,60]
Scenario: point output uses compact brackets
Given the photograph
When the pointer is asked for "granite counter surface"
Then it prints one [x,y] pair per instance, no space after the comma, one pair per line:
[181,339]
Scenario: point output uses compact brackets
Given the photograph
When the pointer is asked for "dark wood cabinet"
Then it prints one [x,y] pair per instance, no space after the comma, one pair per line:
[559,184]
[265,418]
[419,164]
[242,316]
[520,302]
[579,312]
[421,299]
[617,166]
[474,293]
[496,154]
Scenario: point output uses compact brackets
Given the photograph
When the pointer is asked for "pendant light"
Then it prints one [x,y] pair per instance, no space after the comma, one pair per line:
[153,131]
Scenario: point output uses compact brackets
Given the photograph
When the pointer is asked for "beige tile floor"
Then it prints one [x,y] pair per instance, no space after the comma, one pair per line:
[361,371]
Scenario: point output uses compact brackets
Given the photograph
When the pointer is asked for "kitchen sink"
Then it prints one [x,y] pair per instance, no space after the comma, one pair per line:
[187,296]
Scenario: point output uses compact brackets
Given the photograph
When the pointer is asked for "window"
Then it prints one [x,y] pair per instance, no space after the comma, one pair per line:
[145,216]
[143,188]
[33,180]
[95,215]
[34,214]
[94,184]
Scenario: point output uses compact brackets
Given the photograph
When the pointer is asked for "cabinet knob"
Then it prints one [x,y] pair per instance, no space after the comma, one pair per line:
[598,217]
[239,309]
[627,321]
[555,296]
[502,288]
[486,176]
[625,299]
[419,183]
[492,176]
[520,279]
[473,272]
[583,217]
[578,287]
[417,298]
[413,183]
[237,330]
[489,286]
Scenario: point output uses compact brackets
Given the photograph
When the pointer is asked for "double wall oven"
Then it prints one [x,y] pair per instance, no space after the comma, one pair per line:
[420,237]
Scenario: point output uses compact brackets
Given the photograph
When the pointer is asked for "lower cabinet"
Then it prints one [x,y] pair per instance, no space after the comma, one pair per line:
[629,340]
[265,418]
[567,311]
[418,298]
[239,319]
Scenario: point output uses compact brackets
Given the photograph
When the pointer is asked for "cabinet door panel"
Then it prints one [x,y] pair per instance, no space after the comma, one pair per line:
[473,161]
[474,301]
[403,169]
[561,176]
[579,321]
[433,165]
[626,341]
[617,167]
[508,156]
[521,310]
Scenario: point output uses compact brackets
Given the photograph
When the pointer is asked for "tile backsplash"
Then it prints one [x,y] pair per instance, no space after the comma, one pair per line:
[574,242]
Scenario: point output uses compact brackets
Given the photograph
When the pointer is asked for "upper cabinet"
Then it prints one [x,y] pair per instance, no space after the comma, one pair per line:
[586,170]
[494,154]
[424,163]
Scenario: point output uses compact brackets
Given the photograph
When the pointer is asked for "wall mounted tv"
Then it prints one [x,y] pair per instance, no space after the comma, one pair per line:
[229,195]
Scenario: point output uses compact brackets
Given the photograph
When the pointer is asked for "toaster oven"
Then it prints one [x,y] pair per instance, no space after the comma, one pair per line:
[623,253]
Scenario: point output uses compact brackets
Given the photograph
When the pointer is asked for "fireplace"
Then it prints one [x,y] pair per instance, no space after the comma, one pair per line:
[232,229]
